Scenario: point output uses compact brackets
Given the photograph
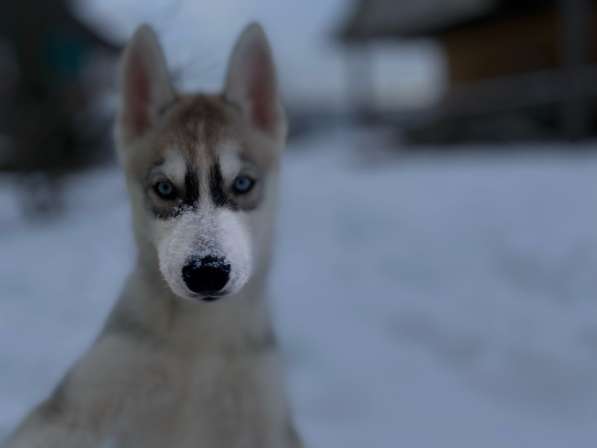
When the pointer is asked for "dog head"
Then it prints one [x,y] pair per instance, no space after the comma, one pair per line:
[201,169]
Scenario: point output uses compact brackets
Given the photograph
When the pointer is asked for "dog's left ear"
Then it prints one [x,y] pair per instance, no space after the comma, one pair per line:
[251,82]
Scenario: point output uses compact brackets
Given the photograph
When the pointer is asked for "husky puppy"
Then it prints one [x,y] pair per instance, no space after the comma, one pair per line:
[187,357]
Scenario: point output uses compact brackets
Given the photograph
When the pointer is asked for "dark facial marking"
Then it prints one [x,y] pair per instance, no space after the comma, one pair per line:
[217,188]
[191,185]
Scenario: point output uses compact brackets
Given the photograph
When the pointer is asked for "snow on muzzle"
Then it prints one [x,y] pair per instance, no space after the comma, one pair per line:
[206,255]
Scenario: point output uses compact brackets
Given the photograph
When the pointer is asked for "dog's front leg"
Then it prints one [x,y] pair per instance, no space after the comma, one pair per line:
[85,406]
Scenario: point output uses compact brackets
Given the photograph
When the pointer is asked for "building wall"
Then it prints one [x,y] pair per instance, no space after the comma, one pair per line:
[507,46]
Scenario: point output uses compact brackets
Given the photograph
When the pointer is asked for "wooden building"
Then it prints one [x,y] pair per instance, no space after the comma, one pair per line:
[516,68]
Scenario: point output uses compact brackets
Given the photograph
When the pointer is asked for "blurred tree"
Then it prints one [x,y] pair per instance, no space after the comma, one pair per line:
[48,99]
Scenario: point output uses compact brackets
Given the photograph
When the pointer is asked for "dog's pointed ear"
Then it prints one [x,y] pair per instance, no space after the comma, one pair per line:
[145,83]
[251,82]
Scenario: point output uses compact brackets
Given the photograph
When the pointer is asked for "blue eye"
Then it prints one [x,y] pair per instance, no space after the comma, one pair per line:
[243,184]
[165,190]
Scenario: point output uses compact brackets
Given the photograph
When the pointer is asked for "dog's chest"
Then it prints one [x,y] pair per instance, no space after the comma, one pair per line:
[235,402]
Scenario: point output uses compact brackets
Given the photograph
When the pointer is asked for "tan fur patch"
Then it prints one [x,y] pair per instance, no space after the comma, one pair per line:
[198,118]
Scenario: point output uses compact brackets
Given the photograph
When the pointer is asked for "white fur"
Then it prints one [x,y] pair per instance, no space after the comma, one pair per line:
[230,162]
[174,166]
[207,232]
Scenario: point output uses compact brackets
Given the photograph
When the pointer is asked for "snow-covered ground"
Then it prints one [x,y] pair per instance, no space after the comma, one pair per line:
[423,301]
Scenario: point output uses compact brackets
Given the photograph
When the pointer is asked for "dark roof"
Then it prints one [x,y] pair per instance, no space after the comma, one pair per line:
[372,19]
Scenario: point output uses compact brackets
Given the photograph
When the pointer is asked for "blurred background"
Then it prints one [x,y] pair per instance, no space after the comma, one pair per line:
[437,287]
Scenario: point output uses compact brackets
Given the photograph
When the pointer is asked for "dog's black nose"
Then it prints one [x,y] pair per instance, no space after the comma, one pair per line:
[206,276]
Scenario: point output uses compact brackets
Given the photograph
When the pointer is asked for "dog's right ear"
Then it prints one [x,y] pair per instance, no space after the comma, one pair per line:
[251,82]
[145,84]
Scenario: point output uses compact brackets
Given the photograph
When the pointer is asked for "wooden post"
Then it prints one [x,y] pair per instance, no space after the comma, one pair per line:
[576,33]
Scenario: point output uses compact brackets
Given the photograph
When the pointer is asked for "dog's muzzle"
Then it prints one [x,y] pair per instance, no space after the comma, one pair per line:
[206,256]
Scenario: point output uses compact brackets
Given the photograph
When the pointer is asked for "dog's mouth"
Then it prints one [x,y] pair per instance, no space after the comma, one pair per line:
[208,298]
[212,298]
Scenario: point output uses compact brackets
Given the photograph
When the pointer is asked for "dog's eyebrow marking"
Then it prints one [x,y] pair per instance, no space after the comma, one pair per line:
[154,169]
[157,164]
[230,162]
[173,165]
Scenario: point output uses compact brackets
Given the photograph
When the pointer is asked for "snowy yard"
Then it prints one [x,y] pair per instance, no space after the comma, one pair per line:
[422,301]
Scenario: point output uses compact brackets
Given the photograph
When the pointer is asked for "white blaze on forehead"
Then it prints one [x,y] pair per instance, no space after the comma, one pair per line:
[230,163]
